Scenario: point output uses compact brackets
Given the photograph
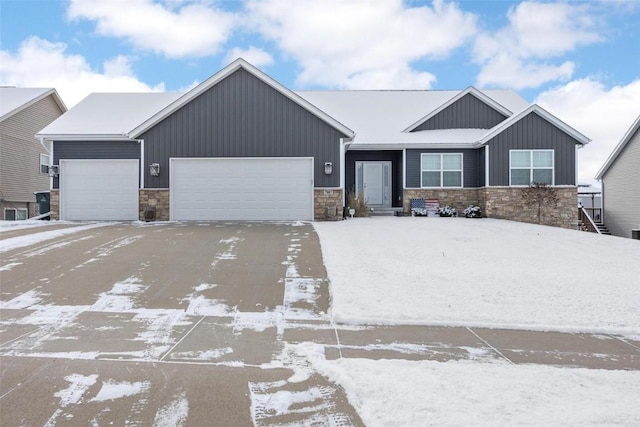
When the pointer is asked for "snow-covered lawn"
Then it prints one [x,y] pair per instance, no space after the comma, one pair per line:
[481,272]
[456,271]
[464,393]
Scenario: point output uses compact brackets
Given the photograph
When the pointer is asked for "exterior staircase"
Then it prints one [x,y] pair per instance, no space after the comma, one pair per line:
[587,223]
[602,229]
[383,211]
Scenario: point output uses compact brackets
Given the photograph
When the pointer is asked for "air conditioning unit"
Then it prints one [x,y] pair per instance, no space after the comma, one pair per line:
[54,171]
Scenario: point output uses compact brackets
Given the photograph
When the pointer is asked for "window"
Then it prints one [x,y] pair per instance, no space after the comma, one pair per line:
[531,167]
[441,170]
[44,163]
[12,214]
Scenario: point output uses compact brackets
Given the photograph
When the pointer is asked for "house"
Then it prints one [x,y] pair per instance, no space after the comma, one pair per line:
[620,177]
[242,146]
[24,160]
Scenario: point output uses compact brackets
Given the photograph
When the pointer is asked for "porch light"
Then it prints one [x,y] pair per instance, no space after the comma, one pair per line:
[328,168]
[154,169]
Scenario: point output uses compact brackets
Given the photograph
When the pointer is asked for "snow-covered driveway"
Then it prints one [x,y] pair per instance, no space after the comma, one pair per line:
[163,324]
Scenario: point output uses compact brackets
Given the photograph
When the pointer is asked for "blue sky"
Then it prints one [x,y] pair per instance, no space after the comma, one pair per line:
[579,60]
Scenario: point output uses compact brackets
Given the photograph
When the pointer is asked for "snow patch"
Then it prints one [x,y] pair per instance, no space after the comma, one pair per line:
[112,390]
[35,238]
[173,414]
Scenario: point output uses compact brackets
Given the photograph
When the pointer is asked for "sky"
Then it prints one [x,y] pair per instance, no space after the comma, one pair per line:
[578,60]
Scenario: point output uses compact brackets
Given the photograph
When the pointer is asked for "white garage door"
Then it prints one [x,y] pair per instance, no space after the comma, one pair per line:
[99,190]
[241,189]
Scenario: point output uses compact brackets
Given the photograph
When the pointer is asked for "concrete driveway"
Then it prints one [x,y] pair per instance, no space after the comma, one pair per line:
[164,324]
[198,324]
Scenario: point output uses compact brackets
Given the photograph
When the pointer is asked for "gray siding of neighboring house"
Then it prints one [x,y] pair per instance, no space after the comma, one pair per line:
[97,150]
[535,133]
[470,166]
[395,157]
[466,113]
[20,152]
[241,116]
[621,190]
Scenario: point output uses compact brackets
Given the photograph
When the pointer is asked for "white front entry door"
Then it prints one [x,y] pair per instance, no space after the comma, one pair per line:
[374,179]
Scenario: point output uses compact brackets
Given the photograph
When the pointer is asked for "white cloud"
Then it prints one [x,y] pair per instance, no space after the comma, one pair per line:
[518,55]
[41,63]
[603,114]
[358,43]
[174,29]
[255,56]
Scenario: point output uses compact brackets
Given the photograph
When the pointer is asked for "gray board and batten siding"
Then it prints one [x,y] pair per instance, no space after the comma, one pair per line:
[95,150]
[241,116]
[532,132]
[393,156]
[470,166]
[467,112]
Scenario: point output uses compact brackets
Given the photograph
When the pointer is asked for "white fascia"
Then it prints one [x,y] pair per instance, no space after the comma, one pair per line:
[404,168]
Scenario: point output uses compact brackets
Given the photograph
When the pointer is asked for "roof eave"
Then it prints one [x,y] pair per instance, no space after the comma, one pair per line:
[470,90]
[221,75]
[618,149]
[43,95]
[501,127]
[84,137]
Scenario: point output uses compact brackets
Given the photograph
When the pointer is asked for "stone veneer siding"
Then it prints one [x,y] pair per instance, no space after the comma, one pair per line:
[502,202]
[327,204]
[154,197]
[54,201]
[507,203]
[458,198]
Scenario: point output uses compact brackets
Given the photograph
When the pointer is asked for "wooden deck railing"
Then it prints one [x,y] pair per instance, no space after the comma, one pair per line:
[586,220]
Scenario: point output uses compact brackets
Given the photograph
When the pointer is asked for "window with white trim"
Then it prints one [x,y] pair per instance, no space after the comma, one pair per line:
[528,167]
[13,214]
[441,170]
[44,163]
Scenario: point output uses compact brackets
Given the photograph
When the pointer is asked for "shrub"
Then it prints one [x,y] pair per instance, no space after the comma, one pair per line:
[357,203]
[447,211]
[473,211]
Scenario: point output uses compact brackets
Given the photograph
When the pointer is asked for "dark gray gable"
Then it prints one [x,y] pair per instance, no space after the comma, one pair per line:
[467,112]
[241,116]
[532,132]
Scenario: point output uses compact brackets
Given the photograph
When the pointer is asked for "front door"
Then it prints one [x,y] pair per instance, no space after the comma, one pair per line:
[374,180]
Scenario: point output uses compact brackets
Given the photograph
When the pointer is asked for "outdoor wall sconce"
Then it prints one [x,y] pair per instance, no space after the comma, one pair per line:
[328,168]
[54,171]
[154,169]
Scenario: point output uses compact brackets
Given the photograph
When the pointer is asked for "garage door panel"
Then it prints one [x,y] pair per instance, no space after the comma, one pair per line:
[99,189]
[242,189]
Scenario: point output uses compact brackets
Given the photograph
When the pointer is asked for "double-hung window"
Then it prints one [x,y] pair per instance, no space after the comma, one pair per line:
[441,170]
[531,167]
[44,163]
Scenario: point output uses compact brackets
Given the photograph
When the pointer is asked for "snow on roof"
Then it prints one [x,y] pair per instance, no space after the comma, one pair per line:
[15,99]
[108,115]
[380,116]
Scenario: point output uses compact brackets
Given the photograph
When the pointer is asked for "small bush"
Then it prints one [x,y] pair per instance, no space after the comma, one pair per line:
[357,203]
[447,211]
[473,212]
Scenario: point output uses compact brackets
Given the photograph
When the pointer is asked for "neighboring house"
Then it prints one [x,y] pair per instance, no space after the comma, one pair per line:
[620,177]
[242,146]
[24,160]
